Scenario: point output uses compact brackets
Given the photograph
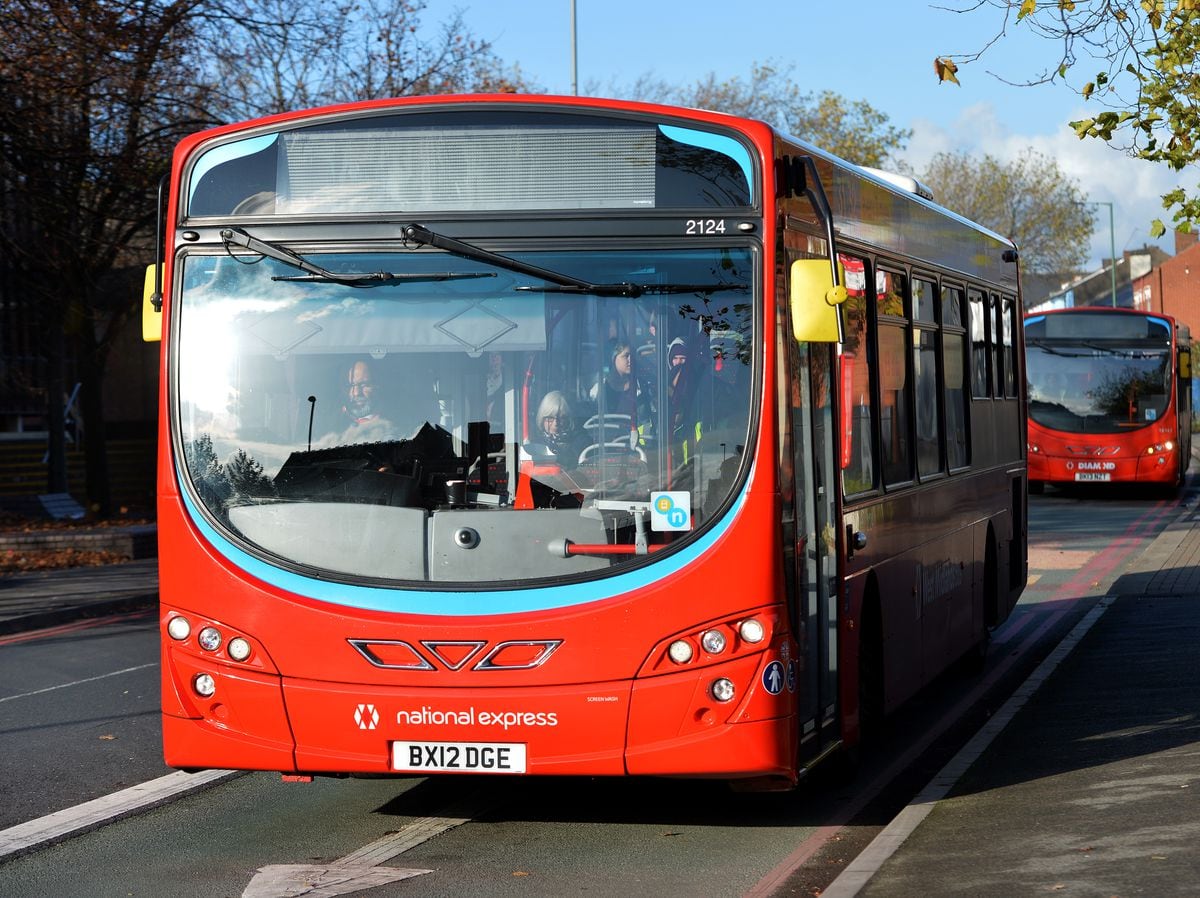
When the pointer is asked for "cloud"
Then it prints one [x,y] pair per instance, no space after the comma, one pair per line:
[1104,174]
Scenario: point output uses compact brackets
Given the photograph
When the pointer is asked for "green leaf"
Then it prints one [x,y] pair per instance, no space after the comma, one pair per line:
[1157,228]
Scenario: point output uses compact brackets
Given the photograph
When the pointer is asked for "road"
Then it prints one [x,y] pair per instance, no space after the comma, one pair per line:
[78,720]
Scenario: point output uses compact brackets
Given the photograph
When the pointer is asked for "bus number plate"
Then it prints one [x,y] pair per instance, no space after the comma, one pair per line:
[1081,476]
[462,757]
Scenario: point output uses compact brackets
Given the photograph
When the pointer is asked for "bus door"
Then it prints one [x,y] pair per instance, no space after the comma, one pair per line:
[814,578]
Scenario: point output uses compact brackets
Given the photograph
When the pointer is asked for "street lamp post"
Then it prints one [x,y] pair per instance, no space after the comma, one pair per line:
[574,65]
[1112,245]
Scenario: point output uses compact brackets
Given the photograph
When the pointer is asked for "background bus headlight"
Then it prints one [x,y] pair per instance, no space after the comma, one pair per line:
[209,639]
[178,628]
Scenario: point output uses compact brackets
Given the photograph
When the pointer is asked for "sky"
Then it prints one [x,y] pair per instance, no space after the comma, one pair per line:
[881,51]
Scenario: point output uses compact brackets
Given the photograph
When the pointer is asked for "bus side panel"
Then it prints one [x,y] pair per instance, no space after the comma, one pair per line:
[900,618]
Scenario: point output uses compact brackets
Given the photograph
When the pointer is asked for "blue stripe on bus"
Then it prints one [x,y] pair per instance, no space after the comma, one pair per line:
[454,603]
[718,143]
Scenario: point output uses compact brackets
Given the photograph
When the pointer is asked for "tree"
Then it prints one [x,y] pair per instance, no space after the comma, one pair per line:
[852,129]
[1143,56]
[93,96]
[246,477]
[293,54]
[1028,200]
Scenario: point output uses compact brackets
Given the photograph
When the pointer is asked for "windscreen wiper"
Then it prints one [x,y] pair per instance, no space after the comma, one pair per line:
[642,289]
[315,273]
[1047,348]
[422,236]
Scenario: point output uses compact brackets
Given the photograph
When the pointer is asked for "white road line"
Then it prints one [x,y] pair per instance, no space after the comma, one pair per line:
[359,869]
[115,673]
[93,814]
[859,871]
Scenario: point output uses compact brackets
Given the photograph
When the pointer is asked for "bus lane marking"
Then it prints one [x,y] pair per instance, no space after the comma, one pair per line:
[360,868]
[862,868]
[61,825]
[1065,597]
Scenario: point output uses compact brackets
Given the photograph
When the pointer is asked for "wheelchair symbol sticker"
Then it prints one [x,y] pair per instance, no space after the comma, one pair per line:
[670,511]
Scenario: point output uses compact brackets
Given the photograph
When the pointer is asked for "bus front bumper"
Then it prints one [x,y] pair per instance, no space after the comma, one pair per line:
[657,726]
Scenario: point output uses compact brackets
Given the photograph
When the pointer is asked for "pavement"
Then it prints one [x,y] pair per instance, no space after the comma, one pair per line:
[1086,783]
[43,599]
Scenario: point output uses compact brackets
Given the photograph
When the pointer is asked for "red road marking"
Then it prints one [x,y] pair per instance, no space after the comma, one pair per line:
[73,627]
[1064,599]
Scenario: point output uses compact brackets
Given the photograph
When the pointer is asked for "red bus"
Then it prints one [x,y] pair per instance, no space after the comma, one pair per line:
[1110,398]
[498,436]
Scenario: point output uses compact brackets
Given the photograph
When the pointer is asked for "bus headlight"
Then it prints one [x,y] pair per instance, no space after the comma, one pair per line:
[238,649]
[680,651]
[722,690]
[713,641]
[204,684]
[178,628]
[752,630]
[209,639]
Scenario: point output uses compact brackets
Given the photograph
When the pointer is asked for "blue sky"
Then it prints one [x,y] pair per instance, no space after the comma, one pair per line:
[878,50]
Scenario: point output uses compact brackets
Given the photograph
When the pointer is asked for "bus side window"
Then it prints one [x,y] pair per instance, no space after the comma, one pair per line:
[895,386]
[954,367]
[857,383]
[1009,308]
[925,378]
[979,345]
[995,340]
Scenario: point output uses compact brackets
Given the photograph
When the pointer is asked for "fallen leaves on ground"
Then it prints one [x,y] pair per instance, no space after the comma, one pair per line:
[14,561]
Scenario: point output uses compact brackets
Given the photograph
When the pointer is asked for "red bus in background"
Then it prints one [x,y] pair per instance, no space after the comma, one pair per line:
[1110,397]
[504,435]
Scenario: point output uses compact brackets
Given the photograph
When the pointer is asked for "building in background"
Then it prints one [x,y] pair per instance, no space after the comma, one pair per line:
[1096,288]
[1173,288]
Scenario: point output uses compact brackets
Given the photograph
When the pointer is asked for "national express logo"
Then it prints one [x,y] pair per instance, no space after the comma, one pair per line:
[366,716]
[504,720]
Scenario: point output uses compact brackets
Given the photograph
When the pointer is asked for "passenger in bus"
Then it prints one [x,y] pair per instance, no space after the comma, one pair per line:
[676,376]
[620,394]
[557,429]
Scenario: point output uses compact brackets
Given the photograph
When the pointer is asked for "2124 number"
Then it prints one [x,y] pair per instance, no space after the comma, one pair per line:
[703,226]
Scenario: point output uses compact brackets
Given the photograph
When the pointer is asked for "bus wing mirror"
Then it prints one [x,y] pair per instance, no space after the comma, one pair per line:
[815,302]
[151,307]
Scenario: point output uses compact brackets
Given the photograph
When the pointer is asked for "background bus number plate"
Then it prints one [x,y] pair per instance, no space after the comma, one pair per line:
[1089,476]
[463,757]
